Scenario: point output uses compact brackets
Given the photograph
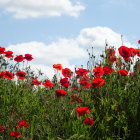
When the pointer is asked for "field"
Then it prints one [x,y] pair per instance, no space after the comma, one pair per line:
[100,102]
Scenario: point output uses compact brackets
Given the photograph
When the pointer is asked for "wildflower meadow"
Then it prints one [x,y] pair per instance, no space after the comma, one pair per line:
[99,102]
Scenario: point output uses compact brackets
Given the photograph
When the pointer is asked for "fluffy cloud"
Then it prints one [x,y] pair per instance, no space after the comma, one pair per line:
[69,52]
[41,8]
[97,37]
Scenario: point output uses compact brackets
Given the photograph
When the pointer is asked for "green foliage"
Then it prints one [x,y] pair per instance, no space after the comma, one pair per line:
[115,107]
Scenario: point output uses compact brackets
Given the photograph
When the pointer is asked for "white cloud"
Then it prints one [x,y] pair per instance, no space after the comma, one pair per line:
[97,37]
[23,9]
[69,52]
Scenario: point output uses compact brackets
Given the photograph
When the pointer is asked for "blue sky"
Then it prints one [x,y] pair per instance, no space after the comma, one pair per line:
[62,30]
[122,16]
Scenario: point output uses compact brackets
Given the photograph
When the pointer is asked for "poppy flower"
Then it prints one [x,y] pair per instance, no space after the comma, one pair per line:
[76,98]
[61,93]
[138,41]
[85,83]
[65,82]
[2,128]
[8,54]
[28,57]
[57,66]
[111,52]
[89,121]
[2,74]
[86,77]
[15,134]
[77,76]
[98,82]
[66,72]
[133,51]
[8,75]
[82,110]
[48,84]
[74,88]
[22,123]
[108,70]
[123,72]
[98,71]
[112,59]
[36,82]
[127,59]
[137,52]
[19,58]
[125,52]
[81,71]
[2,50]
[21,75]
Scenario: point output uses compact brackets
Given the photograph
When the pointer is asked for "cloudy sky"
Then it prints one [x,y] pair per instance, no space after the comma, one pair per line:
[60,31]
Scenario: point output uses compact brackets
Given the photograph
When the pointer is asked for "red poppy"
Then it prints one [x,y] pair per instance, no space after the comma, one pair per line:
[98,71]
[112,59]
[2,50]
[125,52]
[2,128]
[2,74]
[74,88]
[111,52]
[133,51]
[97,82]
[85,83]
[137,52]
[108,70]
[8,75]
[66,72]
[138,41]
[65,82]
[8,54]
[76,98]
[82,110]
[15,134]
[36,82]
[89,121]
[28,57]
[61,93]
[123,72]
[21,75]
[57,66]
[127,59]
[19,58]
[86,77]
[77,76]
[81,71]
[48,84]
[22,123]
